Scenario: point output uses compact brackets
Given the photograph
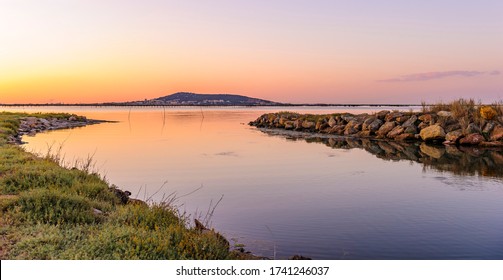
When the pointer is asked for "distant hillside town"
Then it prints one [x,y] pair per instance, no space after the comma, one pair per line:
[195,99]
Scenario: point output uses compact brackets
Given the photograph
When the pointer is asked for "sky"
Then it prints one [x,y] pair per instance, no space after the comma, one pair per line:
[299,51]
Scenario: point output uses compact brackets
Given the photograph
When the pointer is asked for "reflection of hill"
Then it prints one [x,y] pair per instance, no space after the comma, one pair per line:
[458,160]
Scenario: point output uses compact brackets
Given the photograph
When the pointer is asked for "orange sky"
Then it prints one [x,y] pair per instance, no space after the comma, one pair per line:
[286,51]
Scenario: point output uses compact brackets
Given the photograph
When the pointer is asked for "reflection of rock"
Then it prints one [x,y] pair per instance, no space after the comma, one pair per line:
[462,160]
[432,151]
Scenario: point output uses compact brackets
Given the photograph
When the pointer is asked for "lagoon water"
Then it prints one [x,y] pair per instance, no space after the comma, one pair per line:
[282,195]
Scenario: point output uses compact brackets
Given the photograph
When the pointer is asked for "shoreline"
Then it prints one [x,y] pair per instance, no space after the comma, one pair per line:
[32,125]
[44,205]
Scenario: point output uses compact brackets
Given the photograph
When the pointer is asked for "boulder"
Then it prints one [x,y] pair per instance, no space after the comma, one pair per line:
[472,128]
[347,117]
[308,125]
[320,124]
[353,126]
[297,124]
[488,128]
[422,125]
[385,128]
[402,119]
[454,136]
[392,116]
[427,118]
[411,121]
[412,129]
[338,129]
[332,122]
[375,125]
[382,114]
[472,139]
[367,122]
[397,130]
[289,125]
[497,133]
[452,127]
[432,132]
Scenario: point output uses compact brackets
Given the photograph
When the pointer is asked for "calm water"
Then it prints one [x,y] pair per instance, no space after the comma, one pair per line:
[285,194]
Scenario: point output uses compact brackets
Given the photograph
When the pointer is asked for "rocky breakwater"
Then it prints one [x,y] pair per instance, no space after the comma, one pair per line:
[481,127]
[33,125]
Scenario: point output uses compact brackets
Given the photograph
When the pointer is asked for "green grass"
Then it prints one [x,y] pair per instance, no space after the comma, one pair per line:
[48,212]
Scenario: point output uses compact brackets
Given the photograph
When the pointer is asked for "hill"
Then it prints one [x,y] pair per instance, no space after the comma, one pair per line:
[188,98]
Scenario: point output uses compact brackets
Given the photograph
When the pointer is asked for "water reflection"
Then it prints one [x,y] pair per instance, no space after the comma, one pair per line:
[458,160]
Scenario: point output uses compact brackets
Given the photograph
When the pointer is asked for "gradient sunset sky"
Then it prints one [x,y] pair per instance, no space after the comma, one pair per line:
[287,51]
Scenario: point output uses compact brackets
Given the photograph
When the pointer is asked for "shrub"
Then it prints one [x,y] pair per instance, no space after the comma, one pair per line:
[53,207]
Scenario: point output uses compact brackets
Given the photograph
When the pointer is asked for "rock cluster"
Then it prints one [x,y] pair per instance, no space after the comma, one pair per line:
[33,125]
[440,127]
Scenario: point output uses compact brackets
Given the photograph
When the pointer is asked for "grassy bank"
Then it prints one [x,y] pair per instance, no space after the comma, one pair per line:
[51,212]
